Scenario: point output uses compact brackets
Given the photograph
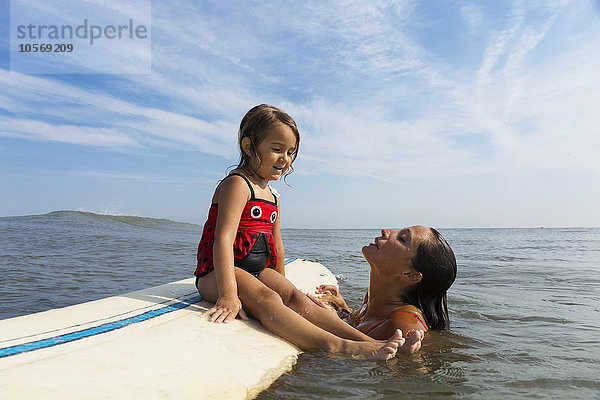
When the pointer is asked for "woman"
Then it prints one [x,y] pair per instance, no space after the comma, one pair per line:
[420,265]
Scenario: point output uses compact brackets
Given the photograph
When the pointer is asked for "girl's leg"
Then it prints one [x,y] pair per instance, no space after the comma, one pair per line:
[266,305]
[300,303]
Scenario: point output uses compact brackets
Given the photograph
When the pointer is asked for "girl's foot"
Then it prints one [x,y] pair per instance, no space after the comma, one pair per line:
[413,342]
[373,350]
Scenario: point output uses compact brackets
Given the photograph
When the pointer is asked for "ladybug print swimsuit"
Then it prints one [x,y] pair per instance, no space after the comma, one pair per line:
[254,247]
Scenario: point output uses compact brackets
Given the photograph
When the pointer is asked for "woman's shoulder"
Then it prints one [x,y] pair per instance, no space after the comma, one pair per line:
[408,317]
[407,308]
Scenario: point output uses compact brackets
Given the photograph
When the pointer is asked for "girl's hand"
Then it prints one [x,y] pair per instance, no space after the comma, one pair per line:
[226,309]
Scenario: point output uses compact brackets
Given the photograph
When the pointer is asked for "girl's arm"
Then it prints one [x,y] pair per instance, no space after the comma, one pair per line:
[232,197]
[279,241]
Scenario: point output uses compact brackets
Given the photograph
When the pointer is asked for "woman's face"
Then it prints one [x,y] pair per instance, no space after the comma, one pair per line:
[393,250]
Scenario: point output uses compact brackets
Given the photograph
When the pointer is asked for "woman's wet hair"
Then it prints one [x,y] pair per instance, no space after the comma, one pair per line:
[255,125]
[436,262]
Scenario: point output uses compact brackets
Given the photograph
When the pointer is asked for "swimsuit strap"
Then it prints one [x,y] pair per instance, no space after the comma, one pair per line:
[273,193]
[375,325]
[252,196]
[247,181]
[414,315]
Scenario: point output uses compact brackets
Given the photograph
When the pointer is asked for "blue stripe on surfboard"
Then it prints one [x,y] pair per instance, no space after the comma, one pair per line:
[104,328]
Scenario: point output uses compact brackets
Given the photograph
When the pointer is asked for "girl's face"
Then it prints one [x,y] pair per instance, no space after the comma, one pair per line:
[276,152]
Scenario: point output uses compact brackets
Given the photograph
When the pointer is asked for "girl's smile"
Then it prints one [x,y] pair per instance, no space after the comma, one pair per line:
[276,152]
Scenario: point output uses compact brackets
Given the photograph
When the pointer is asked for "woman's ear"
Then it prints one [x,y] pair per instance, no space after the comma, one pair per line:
[247,146]
[411,277]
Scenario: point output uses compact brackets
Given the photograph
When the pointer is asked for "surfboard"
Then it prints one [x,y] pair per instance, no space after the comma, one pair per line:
[151,344]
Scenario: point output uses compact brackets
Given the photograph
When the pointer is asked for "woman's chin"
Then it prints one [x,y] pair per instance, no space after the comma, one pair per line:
[365,251]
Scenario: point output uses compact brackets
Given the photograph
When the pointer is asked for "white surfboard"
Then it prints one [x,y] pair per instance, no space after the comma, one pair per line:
[148,344]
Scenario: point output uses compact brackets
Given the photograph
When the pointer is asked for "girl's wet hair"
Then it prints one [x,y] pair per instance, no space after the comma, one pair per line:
[436,262]
[255,125]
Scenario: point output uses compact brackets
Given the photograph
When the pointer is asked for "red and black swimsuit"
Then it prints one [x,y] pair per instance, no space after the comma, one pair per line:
[254,247]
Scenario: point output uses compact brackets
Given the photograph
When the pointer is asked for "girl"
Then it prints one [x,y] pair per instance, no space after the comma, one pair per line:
[240,255]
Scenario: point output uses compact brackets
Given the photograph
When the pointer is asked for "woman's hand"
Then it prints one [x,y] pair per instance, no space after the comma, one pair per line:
[328,289]
[226,309]
[327,307]
[331,294]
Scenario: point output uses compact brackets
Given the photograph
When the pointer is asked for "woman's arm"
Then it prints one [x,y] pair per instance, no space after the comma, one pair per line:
[332,295]
[277,236]
[232,197]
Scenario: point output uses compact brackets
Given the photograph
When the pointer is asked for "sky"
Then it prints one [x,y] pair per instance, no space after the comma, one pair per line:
[441,113]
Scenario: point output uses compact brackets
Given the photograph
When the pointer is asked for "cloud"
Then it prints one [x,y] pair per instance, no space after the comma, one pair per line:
[140,178]
[342,140]
[41,131]
[474,18]
[93,118]
[371,99]
[533,103]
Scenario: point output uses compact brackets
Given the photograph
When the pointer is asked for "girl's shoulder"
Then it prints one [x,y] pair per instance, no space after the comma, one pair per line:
[233,184]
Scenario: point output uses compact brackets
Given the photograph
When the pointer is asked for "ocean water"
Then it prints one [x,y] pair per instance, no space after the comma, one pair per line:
[525,308]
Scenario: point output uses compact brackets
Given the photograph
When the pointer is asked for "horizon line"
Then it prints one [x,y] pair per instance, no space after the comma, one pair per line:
[305,228]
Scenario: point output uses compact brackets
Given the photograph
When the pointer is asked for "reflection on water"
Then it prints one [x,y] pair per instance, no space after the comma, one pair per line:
[440,369]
